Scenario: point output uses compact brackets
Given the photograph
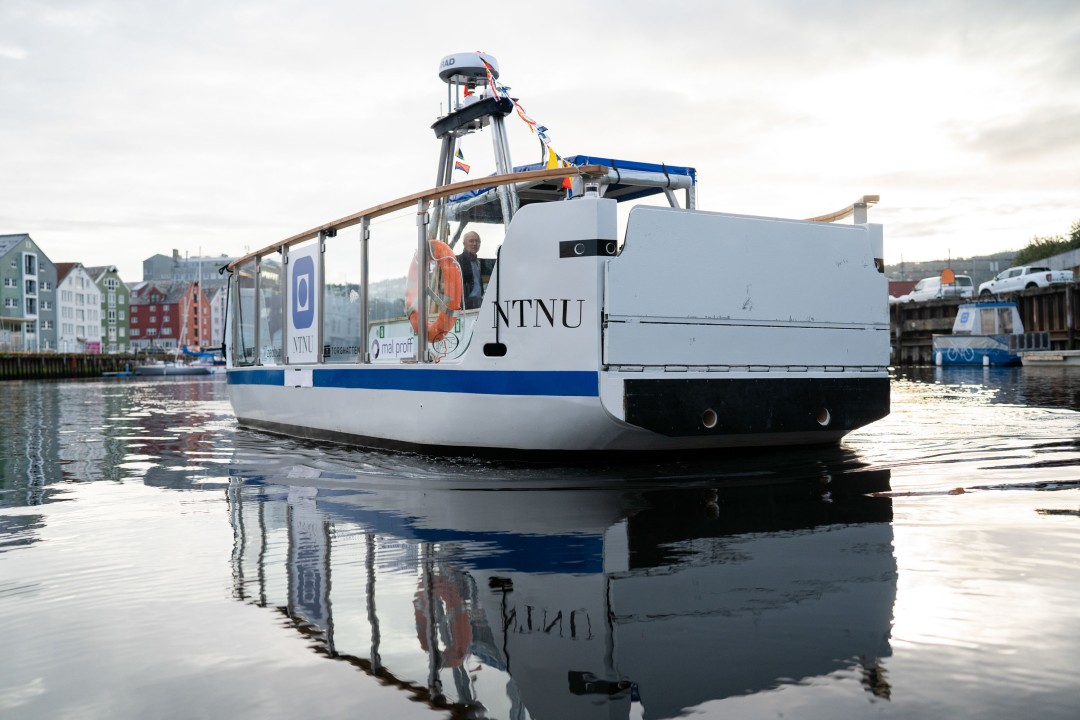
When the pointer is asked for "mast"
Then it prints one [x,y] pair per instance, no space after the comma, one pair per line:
[475,111]
[198,301]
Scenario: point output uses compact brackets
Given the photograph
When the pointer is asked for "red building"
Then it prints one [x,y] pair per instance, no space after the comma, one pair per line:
[169,316]
[901,287]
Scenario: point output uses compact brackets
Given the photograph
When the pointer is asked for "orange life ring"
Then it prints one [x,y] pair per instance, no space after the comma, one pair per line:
[444,290]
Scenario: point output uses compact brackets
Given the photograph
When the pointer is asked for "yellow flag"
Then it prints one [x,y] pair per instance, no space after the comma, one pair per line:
[553,160]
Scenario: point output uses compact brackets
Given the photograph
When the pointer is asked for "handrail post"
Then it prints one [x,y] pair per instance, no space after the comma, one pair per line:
[365,235]
[421,279]
[257,311]
[321,297]
[283,297]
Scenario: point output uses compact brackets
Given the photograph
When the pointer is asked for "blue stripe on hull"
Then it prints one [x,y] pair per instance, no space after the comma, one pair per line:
[256,377]
[557,383]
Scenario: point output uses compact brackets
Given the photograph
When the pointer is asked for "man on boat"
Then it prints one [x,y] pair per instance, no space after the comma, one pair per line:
[470,270]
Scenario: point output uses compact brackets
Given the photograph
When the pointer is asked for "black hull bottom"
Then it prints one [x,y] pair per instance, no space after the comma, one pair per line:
[752,406]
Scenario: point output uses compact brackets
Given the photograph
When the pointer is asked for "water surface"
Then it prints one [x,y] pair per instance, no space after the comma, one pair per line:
[157,561]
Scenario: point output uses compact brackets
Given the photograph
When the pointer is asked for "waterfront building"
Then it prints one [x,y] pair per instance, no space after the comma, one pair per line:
[341,310]
[218,298]
[27,296]
[168,316]
[176,268]
[78,310]
[196,328]
[114,308]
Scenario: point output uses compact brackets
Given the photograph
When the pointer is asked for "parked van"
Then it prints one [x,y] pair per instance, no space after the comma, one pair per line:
[932,289]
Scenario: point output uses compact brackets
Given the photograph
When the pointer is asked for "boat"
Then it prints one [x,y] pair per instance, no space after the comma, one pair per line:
[168,367]
[689,330]
[981,335]
[211,361]
[194,363]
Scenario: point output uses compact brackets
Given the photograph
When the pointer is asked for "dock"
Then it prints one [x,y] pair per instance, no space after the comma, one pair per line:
[46,366]
[1050,310]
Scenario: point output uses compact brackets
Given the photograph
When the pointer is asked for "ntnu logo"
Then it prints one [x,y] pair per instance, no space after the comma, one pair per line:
[537,312]
[303,309]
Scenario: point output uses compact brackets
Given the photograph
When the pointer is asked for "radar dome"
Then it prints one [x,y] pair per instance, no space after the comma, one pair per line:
[467,67]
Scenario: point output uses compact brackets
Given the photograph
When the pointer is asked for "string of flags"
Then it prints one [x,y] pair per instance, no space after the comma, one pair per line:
[552,159]
[459,162]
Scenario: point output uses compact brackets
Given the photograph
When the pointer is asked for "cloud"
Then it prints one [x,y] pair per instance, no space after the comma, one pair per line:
[236,124]
[11,52]
[1043,132]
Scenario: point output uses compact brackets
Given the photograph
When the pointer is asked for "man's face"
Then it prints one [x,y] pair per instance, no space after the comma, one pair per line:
[472,243]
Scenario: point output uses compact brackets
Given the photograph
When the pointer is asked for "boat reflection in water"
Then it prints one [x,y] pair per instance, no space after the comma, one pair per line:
[623,599]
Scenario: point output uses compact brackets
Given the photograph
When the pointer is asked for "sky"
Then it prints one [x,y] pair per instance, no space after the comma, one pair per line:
[132,128]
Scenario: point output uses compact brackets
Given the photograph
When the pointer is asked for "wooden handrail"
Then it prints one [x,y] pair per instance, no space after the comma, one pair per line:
[432,194]
[864,201]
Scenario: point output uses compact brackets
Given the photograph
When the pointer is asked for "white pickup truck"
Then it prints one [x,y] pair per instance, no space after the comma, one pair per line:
[1024,278]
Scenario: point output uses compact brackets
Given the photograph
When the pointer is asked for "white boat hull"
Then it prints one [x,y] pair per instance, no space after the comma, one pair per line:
[159,370]
[461,421]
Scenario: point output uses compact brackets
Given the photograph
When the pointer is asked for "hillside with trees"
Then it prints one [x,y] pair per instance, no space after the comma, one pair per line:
[1041,248]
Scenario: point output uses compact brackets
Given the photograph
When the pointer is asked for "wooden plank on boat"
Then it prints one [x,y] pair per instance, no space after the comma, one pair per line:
[849,210]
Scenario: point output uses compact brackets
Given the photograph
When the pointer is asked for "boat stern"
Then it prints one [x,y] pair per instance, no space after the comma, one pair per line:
[734,329]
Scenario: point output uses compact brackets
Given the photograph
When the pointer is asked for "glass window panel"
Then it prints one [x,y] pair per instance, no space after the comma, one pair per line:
[391,251]
[244,287]
[341,297]
[1005,321]
[270,311]
[391,336]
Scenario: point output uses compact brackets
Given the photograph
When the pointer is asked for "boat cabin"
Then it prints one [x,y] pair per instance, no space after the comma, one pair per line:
[987,319]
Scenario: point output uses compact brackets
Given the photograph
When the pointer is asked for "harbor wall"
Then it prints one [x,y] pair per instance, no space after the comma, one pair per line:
[1052,310]
[45,366]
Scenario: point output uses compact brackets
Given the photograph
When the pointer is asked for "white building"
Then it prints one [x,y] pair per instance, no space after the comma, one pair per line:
[78,317]
[217,318]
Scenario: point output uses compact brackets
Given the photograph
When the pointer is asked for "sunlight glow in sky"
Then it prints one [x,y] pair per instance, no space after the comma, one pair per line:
[131,129]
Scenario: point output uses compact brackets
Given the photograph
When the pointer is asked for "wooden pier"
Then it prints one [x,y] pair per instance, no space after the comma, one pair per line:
[1052,310]
[46,366]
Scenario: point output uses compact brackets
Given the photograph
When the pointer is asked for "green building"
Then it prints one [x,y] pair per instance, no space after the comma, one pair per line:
[27,296]
[115,309]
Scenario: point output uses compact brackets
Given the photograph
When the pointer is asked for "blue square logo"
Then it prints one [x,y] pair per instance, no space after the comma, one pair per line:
[303,293]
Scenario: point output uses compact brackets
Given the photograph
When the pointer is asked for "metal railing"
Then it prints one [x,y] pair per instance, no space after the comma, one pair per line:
[249,271]
[331,228]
